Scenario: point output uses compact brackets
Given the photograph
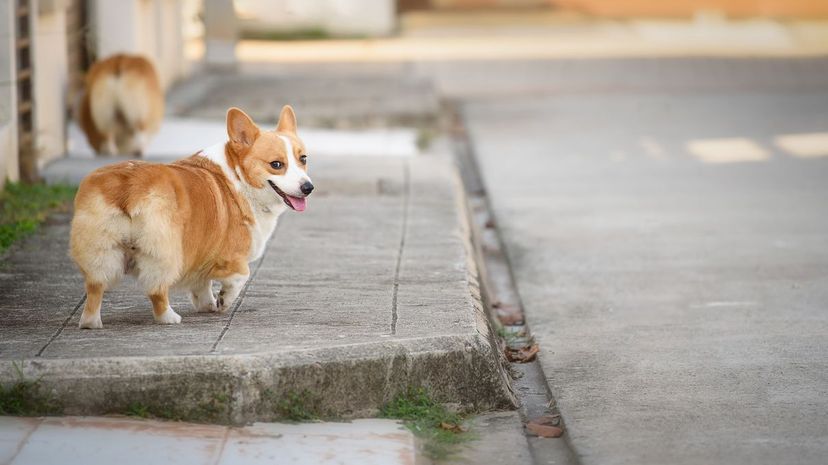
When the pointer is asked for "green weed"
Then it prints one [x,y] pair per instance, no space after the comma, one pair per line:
[24,206]
[438,428]
[295,406]
[27,397]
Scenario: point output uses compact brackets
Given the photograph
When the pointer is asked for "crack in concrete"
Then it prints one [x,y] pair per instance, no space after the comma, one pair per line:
[406,204]
[240,298]
[62,327]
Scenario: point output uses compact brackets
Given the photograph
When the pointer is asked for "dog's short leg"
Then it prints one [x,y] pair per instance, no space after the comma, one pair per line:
[91,316]
[108,146]
[164,314]
[201,295]
[231,286]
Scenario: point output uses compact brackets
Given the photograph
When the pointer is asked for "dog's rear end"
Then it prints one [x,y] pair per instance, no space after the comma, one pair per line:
[122,105]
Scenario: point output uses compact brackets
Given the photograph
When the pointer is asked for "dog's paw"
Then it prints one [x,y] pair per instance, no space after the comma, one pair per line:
[209,307]
[91,322]
[222,303]
[169,317]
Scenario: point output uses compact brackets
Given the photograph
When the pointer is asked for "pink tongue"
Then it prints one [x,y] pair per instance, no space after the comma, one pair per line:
[297,203]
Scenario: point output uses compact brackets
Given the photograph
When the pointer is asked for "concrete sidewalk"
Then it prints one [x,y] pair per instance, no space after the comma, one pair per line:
[108,440]
[368,292]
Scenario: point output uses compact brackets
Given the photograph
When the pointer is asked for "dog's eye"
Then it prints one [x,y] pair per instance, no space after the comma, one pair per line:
[303,159]
[276,165]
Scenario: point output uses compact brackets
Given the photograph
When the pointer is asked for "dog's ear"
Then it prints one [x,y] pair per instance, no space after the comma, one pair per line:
[241,129]
[287,120]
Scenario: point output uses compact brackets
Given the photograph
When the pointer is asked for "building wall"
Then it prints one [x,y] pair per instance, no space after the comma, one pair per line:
[684,8]
[8,108]
[336,17]
[51,77]
[645,8]
[149,27]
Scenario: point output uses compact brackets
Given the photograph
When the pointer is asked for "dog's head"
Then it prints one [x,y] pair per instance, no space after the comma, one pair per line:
[272,164]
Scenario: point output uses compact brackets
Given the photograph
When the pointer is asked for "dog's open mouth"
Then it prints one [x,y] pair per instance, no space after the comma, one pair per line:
[296,203]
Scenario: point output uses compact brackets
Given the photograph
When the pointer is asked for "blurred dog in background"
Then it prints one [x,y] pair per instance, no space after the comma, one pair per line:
[122,105]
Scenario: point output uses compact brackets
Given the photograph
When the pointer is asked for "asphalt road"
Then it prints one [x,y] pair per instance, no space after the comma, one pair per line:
[667,222]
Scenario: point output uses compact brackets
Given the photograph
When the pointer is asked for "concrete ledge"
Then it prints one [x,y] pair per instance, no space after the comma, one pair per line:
[372,291]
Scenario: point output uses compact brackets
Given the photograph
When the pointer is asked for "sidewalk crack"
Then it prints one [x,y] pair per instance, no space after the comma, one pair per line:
[406,207]
[243,292]
[62,327]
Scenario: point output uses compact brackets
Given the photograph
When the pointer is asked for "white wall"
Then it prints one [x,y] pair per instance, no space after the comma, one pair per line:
[337,17]
[51,77]
[153,28]
[8,107]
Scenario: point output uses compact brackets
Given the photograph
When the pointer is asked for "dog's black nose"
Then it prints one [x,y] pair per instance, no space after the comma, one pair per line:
[306,188]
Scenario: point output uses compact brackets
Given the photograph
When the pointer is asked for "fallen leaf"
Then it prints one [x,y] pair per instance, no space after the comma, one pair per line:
[544,431]
[522,355]
[509,314]
[453,427]
[548,420]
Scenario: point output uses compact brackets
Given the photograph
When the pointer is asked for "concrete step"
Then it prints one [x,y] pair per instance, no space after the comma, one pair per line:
[368,292]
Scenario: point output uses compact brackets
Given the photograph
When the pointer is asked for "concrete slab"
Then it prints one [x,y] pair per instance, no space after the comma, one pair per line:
[369,291]
[107,440]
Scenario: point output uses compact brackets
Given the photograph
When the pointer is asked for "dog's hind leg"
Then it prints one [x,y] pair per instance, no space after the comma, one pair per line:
[161,309]
[201,295]
[91,316]
[98,231]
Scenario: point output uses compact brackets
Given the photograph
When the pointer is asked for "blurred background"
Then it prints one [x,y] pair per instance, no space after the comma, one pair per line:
[657,170]
[47,45]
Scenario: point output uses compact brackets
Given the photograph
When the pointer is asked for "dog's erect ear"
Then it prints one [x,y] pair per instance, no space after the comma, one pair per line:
[241,129]
[287,120]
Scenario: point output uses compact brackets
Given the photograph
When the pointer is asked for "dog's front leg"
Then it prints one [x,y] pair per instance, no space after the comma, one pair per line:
[231,286]
[201,295]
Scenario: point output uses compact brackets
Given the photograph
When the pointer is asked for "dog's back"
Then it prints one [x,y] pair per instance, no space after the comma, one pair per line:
[122,104]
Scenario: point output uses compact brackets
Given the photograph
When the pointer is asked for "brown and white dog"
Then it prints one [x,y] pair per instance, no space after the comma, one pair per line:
[187,223]
[122,105]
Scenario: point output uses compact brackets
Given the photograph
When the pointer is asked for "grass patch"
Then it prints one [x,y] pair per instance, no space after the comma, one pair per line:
[295,406]
[138,410]
[212,410]
[438,428]
[27,398]
[311,33]
[24,206]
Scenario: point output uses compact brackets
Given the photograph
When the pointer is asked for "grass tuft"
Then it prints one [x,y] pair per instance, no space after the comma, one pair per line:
[24,206]
[216,409]
[295,406]
[27,398]
[438,428]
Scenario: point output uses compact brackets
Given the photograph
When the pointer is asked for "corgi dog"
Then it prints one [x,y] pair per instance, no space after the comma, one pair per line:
[186,224]
[122,105]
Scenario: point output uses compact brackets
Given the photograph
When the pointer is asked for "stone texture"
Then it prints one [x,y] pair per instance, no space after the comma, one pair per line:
[318,314]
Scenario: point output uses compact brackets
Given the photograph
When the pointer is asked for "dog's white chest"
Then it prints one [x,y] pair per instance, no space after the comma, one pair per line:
[260,233]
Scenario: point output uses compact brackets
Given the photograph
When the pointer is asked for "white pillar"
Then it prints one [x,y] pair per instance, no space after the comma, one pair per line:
[117,27]
[220,33]
[8,95]
[51,76]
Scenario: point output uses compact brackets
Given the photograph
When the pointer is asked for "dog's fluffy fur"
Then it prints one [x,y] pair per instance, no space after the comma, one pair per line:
[122,105]
[190,222]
